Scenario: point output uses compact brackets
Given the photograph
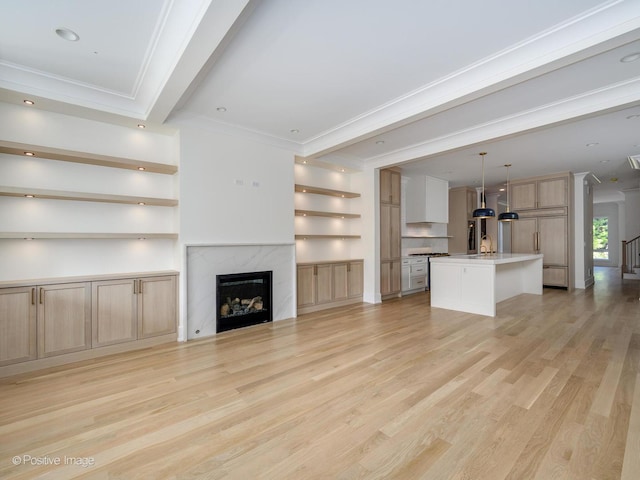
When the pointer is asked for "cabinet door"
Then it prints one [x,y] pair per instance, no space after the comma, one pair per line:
[64,318]
[324,287]
[385,231]
[472,203]
[395,276]
[523,235]
[157,306]
[306,285]
[340,281]
[553,240]
[523,196]
[355,279]
[390,183]
[113,312]
[385,278]
[17,325]
[553,192]
[394,231]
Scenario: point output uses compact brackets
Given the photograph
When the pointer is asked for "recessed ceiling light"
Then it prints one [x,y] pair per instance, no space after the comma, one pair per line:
[502,189]
[29,196]
[141,169]
[632,57]
[592,144]
[342,170]
[141,203]
[29,102]
[142,125]
[605,161]
[294,130]
[30,154]
[67,34]
[304,161]
[221,109]
[633,116]
[380,142]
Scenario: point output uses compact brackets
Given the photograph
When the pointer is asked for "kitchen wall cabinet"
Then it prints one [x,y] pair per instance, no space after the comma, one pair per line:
[427,200]
[58,321]
[390,234]
[542,192]
[390,186]
[544,208]
[328,284]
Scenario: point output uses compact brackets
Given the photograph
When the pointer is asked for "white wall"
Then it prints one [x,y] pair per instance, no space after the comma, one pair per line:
[44,258]
[234,190]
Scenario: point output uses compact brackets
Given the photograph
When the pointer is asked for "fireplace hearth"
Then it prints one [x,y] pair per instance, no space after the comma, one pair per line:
[243,299]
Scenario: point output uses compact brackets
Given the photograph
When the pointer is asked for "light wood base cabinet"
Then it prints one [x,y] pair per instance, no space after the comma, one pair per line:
[327,285]
[64,318]
[51,323]
[17,325]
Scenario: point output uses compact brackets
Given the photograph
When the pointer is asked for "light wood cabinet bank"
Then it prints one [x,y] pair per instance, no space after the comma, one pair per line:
[51,322]
[545,207]
[323,285]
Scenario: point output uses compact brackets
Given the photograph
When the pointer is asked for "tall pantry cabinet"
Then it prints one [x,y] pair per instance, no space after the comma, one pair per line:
[544,205]
[390,239]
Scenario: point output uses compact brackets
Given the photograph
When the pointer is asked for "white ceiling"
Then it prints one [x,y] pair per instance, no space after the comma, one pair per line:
[422,84]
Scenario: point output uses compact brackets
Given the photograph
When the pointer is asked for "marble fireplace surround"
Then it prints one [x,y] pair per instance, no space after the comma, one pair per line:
[204,262]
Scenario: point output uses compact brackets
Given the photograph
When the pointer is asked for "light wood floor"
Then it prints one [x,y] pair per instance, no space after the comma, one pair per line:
[548,389]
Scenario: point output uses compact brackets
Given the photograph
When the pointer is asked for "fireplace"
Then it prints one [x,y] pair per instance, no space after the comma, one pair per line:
[243,299]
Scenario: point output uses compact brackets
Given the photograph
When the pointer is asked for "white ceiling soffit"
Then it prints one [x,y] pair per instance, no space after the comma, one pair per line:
[125,60]
[306,71]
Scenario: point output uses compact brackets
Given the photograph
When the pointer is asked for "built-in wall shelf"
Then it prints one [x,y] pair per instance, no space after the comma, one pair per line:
[85,235]
[427,236]
[24,149]
[315,213]
[86,197]
[325,191]
[311,237]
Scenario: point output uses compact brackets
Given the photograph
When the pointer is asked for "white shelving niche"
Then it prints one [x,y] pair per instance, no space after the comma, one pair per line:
[83,210]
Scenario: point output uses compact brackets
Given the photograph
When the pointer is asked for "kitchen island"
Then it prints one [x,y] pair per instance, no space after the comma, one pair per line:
[476,283]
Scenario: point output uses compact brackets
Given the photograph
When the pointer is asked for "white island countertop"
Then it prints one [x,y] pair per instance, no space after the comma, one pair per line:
[487,259]
[476,283]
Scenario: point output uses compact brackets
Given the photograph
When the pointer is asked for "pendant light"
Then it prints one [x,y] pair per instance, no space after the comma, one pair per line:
[483,212]
[508,216]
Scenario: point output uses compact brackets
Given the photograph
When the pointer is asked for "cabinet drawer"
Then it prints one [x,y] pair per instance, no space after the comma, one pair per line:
[418,282]
[554,276]
[418,269]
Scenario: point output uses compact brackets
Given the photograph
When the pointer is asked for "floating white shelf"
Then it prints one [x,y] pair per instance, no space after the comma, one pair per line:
[427,236]
[37,151]
[325,191]
[315,213]
[312,237]
[86,197]
[85,235]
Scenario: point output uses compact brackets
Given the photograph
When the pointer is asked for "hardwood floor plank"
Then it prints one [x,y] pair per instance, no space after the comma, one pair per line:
[549,388]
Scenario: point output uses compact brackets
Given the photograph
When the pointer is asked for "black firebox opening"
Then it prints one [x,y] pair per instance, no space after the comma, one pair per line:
[243,299]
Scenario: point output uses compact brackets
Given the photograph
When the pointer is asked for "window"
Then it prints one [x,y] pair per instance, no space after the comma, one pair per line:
[601,238]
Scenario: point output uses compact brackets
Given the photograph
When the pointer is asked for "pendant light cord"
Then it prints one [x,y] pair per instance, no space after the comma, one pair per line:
[483,196]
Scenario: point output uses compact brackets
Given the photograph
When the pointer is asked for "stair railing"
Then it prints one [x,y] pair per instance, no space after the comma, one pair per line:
[630,255]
